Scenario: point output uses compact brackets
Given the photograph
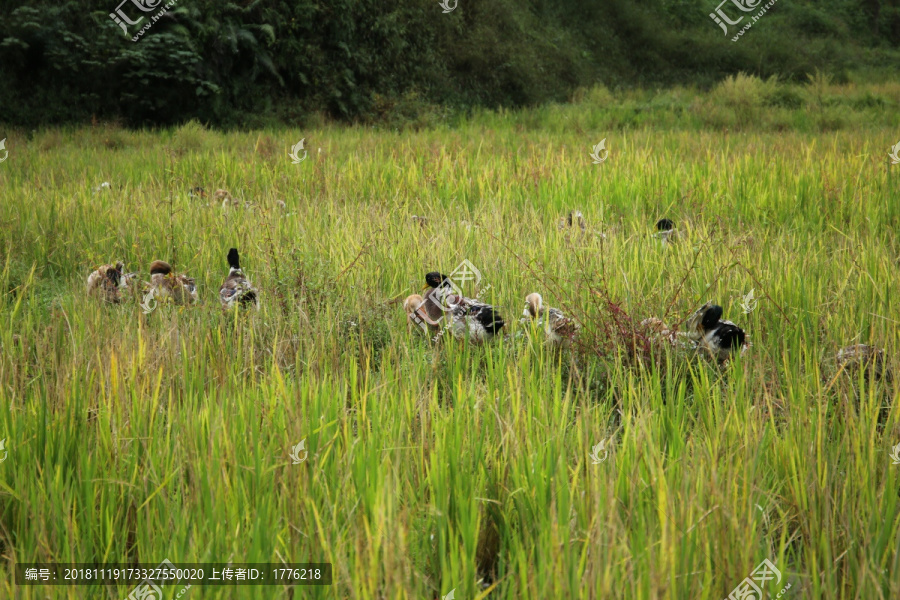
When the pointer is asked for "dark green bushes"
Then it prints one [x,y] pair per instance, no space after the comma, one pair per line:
[237,63]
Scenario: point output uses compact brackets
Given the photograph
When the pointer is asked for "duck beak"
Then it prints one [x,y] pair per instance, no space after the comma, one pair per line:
[426,287]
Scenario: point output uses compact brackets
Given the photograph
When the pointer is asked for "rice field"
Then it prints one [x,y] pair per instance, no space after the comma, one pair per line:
[618,468]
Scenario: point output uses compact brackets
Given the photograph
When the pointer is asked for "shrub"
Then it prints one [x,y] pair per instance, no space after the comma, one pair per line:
[234,64]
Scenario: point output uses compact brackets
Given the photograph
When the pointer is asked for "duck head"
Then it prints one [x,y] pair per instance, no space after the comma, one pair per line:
[234,262]
[436,280]
[160,267]
[533,305]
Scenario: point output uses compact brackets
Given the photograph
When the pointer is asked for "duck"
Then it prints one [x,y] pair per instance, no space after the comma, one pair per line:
[720,339]
[419,318]
[236,289]
[103,187]
[658,331]
[572,221]
[166,285]
[559,329]
[576,218]
[109,282]
[665,230]
[469,318]
[224,197]
[869,359]
[228,200]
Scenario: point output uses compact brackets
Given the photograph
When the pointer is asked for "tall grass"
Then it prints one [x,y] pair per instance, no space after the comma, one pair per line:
[134,438]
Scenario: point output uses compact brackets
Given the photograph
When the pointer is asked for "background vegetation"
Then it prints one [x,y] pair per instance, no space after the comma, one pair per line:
[137,437]
[259,61]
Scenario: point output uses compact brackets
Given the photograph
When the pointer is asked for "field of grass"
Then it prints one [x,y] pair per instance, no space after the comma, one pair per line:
[136,438]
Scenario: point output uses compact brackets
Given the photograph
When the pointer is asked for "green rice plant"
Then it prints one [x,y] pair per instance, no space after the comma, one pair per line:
[622,467]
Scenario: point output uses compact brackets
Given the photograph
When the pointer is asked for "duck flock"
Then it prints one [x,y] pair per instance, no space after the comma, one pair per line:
[442,308]
[110,284]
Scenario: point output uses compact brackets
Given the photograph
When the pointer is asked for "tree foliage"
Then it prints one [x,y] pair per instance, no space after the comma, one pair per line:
[229,62]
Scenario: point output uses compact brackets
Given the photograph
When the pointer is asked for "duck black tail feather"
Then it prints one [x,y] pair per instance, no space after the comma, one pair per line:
[730,336]
[489,319]
[711,316]
[248,299]
[665,225]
